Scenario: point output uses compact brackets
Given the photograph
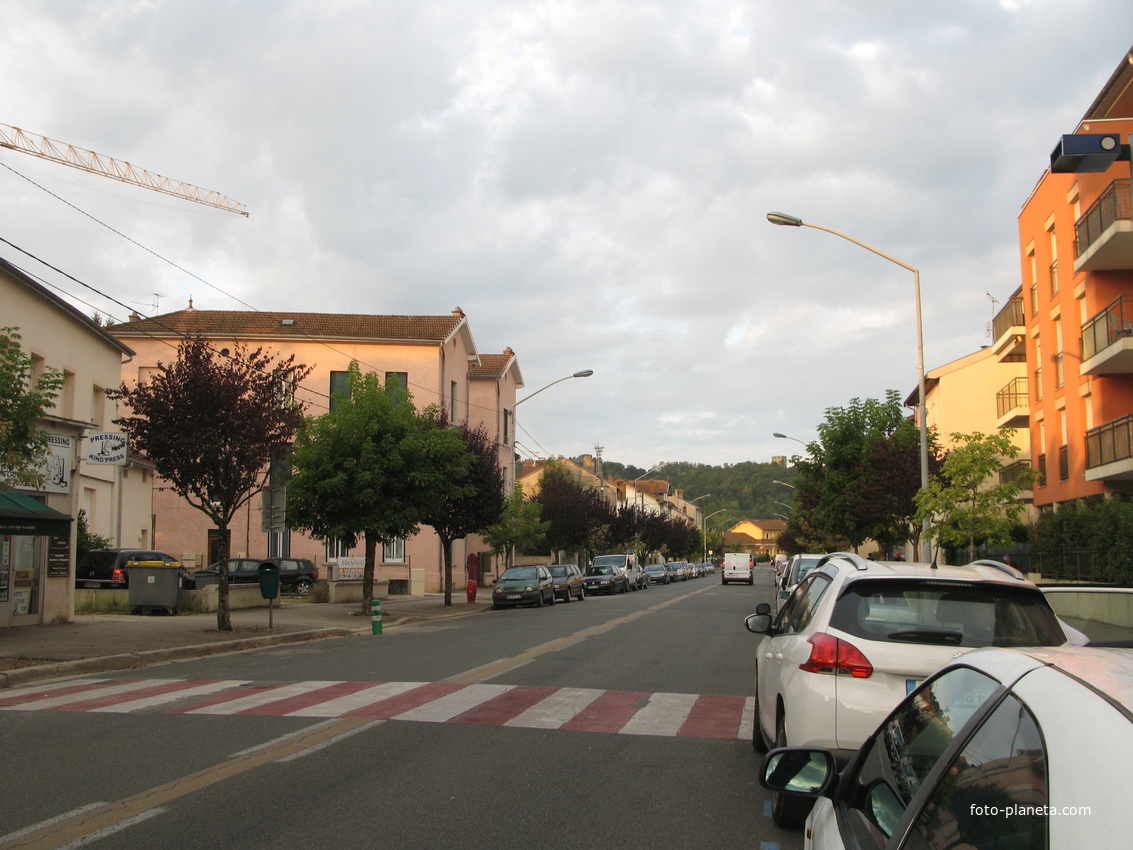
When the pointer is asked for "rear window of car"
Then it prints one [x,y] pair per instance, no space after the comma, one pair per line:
[610,560]
[949,613]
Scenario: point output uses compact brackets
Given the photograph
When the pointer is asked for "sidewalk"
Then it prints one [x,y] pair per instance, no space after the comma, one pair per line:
[96,643]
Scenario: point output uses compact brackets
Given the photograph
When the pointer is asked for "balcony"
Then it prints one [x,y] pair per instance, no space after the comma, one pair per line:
[1010,475]
[1008,332]
[1107,339]
[1012,405]
[1103,236]
[1109,451]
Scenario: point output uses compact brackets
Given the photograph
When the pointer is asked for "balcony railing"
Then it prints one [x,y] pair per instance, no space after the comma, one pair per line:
[1112,205]
[1010,316]
[1110,442]
[1111,324]
[1011,396]
[1010,473]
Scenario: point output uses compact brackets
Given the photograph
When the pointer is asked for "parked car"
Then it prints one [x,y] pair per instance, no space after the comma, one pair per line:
[1020,748]
[568,582]
[658,574]
[530,585]
[707,568]
[737,566]
[678,570]
[605,578]
[296,575]
[693,570]
[794,572]
[108,567]
[856,636]
[627,565]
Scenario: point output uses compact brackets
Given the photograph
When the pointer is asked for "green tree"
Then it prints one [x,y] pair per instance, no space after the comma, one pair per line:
[24,400]
[477,500]
[519,526]
[579,517]
[86,539]
[963,507]
[211,424]
[373,467]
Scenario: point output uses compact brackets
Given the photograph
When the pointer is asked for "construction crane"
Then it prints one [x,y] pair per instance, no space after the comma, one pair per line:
[65,154]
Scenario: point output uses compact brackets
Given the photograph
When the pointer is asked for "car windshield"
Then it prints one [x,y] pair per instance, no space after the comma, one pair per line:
[610,561]
[519,574]
[951,613]
[599,571]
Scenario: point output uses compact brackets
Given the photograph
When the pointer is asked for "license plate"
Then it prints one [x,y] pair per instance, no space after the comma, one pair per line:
[513,596]
[911,685]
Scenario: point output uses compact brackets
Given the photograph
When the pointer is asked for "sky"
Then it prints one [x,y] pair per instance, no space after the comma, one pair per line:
[588,181]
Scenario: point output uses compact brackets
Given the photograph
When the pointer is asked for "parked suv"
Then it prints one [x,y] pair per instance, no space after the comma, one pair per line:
[107,567]
[297,575]
[856,636]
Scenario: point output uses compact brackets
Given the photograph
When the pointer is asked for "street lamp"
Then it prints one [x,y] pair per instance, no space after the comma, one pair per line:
[585,373]
[784,504]
[785,437]
[698,498]
[704,525]
[784,483]
[784,220]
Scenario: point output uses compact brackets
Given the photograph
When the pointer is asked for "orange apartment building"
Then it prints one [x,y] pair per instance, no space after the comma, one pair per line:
[1071,320]
[434,356]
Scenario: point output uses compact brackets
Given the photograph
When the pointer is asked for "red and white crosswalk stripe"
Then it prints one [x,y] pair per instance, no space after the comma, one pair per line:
[525,706]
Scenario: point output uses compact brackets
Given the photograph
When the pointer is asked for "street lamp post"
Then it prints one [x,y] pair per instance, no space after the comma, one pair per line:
[654,469]
[785,437]
[784,220]
[784,483]
[585,373]
[704,527]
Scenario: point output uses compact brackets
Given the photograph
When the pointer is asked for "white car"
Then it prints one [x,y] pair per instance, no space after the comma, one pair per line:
[737,566]
[856,636]
[794,572]
[1020,748]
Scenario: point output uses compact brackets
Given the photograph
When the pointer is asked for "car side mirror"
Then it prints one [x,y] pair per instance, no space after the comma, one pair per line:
[758,623]
[798,770]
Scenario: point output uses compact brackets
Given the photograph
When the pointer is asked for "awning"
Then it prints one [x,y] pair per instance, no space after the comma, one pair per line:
[20,514]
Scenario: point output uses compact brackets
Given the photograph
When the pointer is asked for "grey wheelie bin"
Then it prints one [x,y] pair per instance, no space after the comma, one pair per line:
[154,585]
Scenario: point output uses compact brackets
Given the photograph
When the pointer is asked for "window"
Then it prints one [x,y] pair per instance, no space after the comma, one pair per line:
[1053,263]
[507,429]
[799,608]
[336,549]
[1059,371]
[452,401]
[400,380]
[98,406]
[393,551]
[339,388]
[1004,764]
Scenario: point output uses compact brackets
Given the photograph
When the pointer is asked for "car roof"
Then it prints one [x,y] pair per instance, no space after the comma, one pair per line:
[857,568]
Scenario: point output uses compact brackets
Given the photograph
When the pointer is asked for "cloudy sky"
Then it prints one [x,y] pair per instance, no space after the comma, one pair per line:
[587,180]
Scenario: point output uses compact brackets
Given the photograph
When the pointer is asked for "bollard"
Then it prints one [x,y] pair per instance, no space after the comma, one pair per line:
[376,615]
[470,590]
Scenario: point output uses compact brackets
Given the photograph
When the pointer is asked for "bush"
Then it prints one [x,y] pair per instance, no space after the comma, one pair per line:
[1099,531]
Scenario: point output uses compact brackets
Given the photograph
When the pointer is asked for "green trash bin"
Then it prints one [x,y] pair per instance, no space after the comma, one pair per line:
[269,580]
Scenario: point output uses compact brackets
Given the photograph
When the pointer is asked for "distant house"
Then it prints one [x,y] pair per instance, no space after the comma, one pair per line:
[435,357]
[757,537]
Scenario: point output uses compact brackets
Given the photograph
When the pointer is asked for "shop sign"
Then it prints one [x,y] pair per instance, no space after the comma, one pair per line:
[106,449]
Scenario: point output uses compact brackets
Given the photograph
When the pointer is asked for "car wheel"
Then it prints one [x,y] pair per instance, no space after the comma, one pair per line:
[788,811]
[302,587]
[539,600]
[566,596]
[581,593]
[552,600]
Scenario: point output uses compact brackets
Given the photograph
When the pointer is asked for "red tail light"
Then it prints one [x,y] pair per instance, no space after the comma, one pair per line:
[829,654]
[118,576]
[315,574]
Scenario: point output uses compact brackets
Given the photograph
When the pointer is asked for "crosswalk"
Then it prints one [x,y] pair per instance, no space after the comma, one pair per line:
[523,706]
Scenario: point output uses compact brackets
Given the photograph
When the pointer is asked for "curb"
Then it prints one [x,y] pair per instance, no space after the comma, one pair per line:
[131,660]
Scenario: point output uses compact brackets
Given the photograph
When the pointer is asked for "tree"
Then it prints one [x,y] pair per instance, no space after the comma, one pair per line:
[24,400]
[373,467]
[519,526]
[86,540]
[963,507]
[211,424]
[579,517]
[477,501]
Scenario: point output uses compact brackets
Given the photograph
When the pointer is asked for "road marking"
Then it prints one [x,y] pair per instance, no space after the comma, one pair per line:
[664,714]
[556,709]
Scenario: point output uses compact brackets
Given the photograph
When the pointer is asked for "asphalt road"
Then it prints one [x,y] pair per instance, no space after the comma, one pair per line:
[615,722]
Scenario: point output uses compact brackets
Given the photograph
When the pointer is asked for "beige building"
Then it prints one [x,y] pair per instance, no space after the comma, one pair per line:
[757,537]
[37,568]
[435,357]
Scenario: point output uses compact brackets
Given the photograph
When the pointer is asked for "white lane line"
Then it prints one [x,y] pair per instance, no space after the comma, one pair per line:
[93,693]
[359,699]
[328,742]
[172,696]
[665,714]
[266,697]
[44,824]
[747,720]
[447,707]
[556,709]
[111,830]
[44,690]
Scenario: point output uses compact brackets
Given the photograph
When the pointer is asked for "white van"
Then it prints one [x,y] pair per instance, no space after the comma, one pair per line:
[737,566]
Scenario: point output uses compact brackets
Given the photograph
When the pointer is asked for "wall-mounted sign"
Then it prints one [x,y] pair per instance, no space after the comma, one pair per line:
[108,448]
[58,556]
[57,469]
